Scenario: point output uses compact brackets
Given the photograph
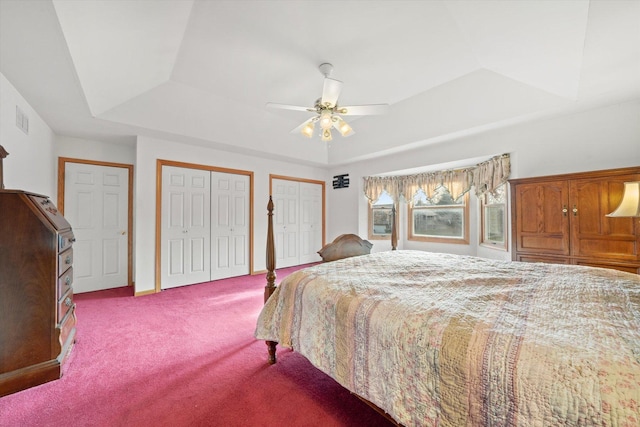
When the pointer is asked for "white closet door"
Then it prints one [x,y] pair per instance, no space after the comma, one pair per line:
[286,225]
[310,222]
[230,194]
[96,205]
[186,227]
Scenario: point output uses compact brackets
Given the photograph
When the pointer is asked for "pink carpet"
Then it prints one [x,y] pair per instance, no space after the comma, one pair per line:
[183,357]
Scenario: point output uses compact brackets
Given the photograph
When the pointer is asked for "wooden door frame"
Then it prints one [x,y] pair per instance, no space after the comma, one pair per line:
[158,250]
[62,163]
[309,181]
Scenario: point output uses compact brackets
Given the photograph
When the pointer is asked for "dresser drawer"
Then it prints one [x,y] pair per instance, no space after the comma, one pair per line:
[64,282]
[65,240]
[65,304]
[65,260]
[67,326]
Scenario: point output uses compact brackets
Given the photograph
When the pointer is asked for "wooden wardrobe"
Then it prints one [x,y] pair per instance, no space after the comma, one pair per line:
[37,313]
[562,219]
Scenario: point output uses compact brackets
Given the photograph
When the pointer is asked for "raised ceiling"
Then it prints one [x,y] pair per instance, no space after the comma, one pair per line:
[201,71]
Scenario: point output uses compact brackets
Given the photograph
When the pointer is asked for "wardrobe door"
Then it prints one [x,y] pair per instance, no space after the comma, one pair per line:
[230,195]
[593,234]
[186,226]
[542,217]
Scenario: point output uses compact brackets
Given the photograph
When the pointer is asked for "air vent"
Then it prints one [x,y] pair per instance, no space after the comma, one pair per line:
[22,120]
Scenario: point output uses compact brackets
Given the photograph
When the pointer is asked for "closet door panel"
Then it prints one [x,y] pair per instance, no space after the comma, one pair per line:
[230,225]
[186,230]
[286,223]
[310,222]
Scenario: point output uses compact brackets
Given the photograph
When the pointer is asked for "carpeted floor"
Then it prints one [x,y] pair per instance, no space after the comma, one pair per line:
[183,357]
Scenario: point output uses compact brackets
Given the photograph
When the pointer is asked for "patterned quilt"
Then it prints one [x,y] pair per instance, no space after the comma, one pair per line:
[439,339]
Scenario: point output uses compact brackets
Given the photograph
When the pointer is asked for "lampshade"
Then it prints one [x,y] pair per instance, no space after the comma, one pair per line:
[344,128]
[630,204]
[326,120]
[307,130]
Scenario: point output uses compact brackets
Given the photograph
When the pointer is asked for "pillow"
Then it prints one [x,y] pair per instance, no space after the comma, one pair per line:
[345,246]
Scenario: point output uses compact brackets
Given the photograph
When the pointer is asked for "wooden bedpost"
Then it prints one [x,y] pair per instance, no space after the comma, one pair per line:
[394,232]
[271,254]
[271,273]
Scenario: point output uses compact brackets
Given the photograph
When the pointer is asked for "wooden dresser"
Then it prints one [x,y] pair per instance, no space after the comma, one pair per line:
[562,219]
[37,313]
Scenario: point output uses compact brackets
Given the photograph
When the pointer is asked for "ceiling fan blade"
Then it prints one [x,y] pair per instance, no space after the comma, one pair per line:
[289,107]
[364,110]
[331,91]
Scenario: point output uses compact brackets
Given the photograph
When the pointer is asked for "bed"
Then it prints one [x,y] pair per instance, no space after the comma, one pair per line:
[438,339]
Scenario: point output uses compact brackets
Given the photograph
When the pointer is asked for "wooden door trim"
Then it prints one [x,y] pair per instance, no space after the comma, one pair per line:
[158,249]
[309,181]
[62,163]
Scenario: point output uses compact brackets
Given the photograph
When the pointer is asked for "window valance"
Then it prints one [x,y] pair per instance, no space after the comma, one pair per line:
[483,177]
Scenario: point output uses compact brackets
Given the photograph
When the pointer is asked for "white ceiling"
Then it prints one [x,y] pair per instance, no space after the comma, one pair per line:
[202,71]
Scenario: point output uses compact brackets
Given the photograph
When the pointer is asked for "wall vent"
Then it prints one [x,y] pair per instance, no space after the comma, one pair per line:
[22,120]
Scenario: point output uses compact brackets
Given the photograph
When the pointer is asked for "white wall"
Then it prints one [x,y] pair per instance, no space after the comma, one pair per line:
[30,164]
[149,150]
[86,149]
[601,138]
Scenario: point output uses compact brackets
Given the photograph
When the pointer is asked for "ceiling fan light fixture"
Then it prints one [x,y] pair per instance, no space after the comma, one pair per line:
[327,112]
[326,120]
[307,130]
[344,128]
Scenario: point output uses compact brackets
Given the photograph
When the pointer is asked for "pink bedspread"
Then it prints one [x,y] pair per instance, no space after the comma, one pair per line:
[439,339]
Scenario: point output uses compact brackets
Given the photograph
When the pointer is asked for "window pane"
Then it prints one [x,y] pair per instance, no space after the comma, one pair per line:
[384,199]
[493,213]
[381,220]
[439,222]
[494,223]
[380,217]
[499,195]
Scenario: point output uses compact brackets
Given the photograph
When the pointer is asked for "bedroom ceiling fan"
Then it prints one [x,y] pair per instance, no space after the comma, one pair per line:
[328,112]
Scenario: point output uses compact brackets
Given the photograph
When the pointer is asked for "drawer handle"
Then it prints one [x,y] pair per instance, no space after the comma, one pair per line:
[67,259]
[68,302]
[67,280]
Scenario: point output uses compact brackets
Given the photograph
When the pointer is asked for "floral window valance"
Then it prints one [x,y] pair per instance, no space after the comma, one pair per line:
[483,177]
